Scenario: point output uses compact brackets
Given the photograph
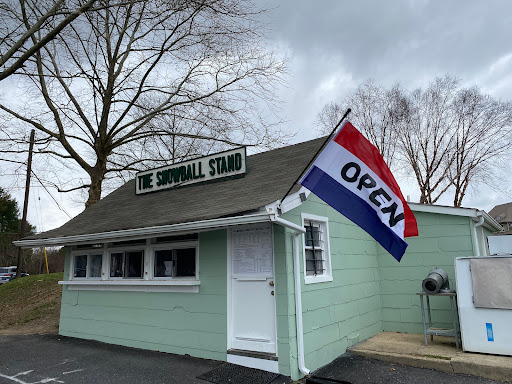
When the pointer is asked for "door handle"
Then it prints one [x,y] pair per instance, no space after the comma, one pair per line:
[272,293]
[271,283]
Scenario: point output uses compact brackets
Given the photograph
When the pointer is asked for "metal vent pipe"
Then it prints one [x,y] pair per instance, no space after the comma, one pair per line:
[436,280]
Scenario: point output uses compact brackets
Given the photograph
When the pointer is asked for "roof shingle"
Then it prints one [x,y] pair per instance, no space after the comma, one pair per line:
[269,175]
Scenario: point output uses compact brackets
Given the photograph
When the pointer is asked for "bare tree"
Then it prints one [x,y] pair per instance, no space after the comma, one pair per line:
[425,136]
[375,111]
[328,117]
[446,135]
[28,25]
[122,80]
[483,135]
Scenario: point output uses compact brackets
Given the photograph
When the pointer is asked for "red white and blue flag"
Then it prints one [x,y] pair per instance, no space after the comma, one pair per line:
[351,176]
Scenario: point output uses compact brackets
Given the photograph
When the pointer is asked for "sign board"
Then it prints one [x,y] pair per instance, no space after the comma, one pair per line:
[252,250]
[211,167]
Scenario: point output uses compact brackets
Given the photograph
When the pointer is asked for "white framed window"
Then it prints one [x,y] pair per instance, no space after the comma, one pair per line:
[159,264]
[127,264]
[317,257]
[87,265]
[175,261]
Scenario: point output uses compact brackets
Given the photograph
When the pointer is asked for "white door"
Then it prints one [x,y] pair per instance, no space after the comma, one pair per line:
[252,313]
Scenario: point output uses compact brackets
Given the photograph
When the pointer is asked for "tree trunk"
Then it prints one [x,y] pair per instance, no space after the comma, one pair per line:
[97,175]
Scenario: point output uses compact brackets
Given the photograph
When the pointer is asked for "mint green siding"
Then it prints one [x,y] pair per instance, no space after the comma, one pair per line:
[182,323]
[441,239]
[370,292]
[336,314]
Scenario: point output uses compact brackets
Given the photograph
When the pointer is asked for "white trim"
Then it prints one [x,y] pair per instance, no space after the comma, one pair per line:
[251,362]
[171,246]
[298,304]
[299,329]
[190,286]
[88,253]
[327,275]
[194,226]
[290,202]
[475,214]
[229,293]
[444,210]
[288,224]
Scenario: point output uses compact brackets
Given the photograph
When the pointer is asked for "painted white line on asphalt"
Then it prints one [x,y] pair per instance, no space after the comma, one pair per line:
[13,378]
[16,380]
[23,373]
[76,370]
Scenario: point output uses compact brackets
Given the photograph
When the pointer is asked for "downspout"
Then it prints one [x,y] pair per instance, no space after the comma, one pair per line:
[298,231]
[475,234]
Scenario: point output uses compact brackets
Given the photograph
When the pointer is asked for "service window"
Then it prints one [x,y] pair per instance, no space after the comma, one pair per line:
[80,269]
[127,264]
[171,263]
[87,265]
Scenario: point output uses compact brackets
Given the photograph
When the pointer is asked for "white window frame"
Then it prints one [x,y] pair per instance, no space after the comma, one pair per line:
[171,246]
[135,248]
[148,282]
[324,223]
[88,253]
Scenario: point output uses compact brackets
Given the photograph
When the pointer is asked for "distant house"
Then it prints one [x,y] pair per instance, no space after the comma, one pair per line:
[213,270]
[503,214]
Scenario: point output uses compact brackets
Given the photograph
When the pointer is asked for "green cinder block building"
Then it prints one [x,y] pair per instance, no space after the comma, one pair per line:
[196,259]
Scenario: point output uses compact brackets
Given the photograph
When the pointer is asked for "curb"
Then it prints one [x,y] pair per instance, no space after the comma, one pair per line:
[457,364]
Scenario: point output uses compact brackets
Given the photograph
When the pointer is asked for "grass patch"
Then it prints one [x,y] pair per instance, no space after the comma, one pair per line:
[438,357]
[32,301]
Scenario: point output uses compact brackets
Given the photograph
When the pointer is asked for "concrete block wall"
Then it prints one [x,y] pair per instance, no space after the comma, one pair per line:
[182,323]
[342,312]
[441,239]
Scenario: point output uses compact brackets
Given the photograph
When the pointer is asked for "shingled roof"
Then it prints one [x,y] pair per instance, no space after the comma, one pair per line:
[502,213]
[269,175]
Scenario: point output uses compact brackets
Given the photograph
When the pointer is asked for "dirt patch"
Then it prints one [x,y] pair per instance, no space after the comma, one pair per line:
[31,305]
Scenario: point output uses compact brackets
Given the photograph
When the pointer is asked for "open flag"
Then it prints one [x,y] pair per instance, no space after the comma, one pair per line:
[351,176]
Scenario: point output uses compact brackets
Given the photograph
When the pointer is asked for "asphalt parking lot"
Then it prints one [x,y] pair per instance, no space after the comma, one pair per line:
[361,370]
[34,359]
[38,359]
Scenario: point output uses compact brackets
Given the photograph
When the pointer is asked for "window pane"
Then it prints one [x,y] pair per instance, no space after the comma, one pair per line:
[80,266]
[116,265]
[163,263]
[186,262]
[314,262]
[312,235]
[95,267]
[133,264]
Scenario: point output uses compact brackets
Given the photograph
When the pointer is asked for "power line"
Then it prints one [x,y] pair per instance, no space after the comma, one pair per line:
[53,198]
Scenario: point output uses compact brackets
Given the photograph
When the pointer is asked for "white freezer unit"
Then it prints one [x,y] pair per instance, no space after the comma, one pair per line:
[486,327]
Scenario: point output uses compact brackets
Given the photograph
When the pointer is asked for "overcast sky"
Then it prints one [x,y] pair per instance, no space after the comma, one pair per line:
[336,45]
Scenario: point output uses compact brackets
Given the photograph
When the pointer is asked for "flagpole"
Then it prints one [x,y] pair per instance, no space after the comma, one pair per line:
[314,157]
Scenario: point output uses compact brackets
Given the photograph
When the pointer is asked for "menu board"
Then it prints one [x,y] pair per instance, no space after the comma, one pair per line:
[252,250]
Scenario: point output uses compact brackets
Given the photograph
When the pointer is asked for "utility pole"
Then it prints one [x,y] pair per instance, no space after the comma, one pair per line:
[25,203]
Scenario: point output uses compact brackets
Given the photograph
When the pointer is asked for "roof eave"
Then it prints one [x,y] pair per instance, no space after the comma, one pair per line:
[490,223]
[195,226]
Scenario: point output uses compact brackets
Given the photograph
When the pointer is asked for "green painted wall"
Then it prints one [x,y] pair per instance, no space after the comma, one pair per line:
[336,314]
[441,239]
[182,323]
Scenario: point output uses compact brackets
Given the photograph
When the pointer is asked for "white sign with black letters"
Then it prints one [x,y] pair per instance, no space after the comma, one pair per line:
[219,165]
